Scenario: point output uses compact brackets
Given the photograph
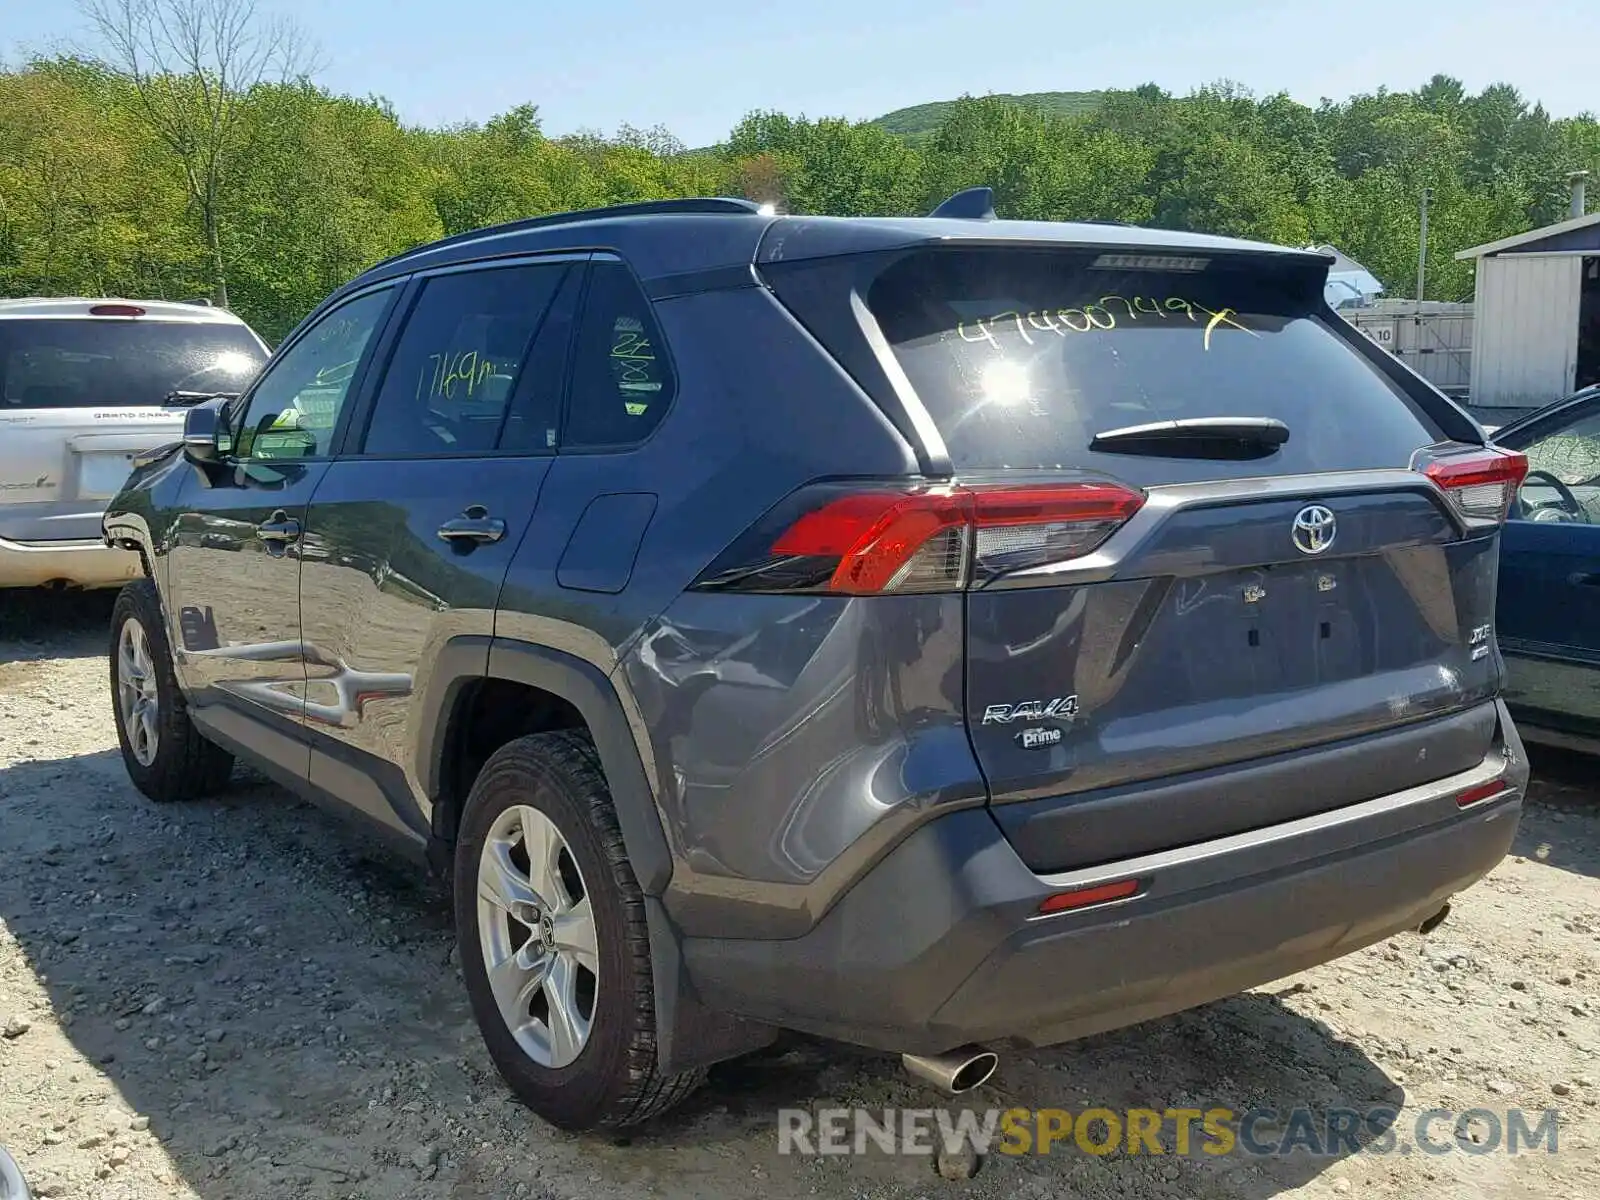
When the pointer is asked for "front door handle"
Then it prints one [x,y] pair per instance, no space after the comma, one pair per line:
[1584,579]
[280,527]
[473,525]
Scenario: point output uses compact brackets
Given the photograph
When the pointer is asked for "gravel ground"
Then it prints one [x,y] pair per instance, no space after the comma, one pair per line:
[235,999]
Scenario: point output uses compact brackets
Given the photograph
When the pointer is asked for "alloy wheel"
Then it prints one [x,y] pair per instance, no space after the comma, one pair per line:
[138,702]
[537,935]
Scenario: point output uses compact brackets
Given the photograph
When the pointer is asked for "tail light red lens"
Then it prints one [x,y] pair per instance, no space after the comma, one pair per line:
[1480,486]
[878,540]
[116,310]
[885,542]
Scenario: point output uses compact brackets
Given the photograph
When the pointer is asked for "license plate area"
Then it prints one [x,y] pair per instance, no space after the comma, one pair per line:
[1272,628]
[101,474]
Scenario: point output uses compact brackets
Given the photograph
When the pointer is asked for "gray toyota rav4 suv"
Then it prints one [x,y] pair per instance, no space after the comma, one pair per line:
[932,633]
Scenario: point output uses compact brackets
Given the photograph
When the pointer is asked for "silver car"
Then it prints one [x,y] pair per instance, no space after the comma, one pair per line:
[86,387]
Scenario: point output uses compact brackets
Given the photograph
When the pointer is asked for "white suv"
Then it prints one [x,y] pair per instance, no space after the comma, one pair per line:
[86,386]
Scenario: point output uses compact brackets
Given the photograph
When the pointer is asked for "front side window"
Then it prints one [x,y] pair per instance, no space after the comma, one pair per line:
[622,383]
[294,409]
[460,360]
[1563,482]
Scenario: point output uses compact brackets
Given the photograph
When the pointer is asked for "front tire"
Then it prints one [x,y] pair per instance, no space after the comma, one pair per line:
[166,756]
[550,925]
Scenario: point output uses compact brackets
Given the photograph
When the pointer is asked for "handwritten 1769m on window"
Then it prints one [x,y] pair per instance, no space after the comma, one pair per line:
[1100,315]
[442,374]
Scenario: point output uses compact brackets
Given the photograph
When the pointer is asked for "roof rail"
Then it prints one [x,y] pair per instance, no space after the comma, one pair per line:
[974,204]
[640,208]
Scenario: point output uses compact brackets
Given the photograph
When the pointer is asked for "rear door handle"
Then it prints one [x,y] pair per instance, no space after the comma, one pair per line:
[280,527]
[1584,579]
[473,525]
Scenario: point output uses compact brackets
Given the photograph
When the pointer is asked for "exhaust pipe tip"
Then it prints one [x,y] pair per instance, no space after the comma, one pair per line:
[956,1071]
[1434,921]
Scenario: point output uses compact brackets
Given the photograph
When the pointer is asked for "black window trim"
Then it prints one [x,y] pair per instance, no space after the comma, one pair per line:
[355,436]
[577,328]
[358,383]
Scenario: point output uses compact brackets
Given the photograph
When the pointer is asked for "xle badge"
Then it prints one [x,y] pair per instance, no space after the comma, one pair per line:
[1035,739]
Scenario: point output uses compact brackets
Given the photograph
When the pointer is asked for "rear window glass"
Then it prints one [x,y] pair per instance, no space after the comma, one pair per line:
[1022,358]
[64,363]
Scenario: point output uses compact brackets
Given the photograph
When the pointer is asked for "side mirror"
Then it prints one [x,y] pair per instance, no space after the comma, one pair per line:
[207,435]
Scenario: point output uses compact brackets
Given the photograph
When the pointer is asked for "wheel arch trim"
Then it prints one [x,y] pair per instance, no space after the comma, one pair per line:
[465,660]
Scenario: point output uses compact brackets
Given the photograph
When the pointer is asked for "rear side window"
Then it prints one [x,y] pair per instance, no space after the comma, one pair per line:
[104,363]
[622,382]
[1023,357]
[459,361]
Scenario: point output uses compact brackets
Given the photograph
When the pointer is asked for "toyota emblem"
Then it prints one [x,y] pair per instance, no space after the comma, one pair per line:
[1314,529]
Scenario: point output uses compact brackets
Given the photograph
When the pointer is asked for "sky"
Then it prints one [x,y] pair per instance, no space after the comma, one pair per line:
[698,66]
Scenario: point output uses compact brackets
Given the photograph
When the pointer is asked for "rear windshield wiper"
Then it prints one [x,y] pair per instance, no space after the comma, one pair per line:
[1197,437]
[179,398]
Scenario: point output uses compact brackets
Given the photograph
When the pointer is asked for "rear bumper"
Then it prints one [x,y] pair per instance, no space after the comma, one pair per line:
[78,563]
[940,944]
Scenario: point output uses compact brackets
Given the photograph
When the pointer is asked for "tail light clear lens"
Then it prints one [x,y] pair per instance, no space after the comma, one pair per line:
[1481,485]
[1024,526]
[873,541]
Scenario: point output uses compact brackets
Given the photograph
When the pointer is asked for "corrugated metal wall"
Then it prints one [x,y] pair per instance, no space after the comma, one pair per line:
[1525,340]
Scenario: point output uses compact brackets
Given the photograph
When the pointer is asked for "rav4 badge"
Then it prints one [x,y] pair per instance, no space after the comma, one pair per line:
[1031,710]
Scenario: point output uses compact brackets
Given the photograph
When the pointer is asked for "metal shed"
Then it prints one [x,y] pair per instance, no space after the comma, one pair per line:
[1537,310]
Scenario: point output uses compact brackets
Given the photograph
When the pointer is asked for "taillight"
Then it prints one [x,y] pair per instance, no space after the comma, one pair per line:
[885,542]
[1025,526]
[875,540]
[116,310]
[1480,485]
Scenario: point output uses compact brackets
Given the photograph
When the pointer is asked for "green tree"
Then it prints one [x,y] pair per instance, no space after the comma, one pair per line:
[188,67]
[831,166]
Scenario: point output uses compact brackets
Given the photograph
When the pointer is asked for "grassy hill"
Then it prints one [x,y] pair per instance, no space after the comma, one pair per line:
[920,120]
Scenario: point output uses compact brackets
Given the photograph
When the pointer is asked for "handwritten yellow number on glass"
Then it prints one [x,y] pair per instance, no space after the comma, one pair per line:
[464,367]
[984,333]
[1100,316]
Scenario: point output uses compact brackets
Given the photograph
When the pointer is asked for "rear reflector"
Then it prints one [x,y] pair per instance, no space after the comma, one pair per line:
[116,310]
[1100,893]
[1484,791]
[1481,486]
[870,541]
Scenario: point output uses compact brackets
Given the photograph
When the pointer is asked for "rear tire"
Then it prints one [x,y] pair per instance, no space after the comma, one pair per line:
[548,789]
[166,756]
